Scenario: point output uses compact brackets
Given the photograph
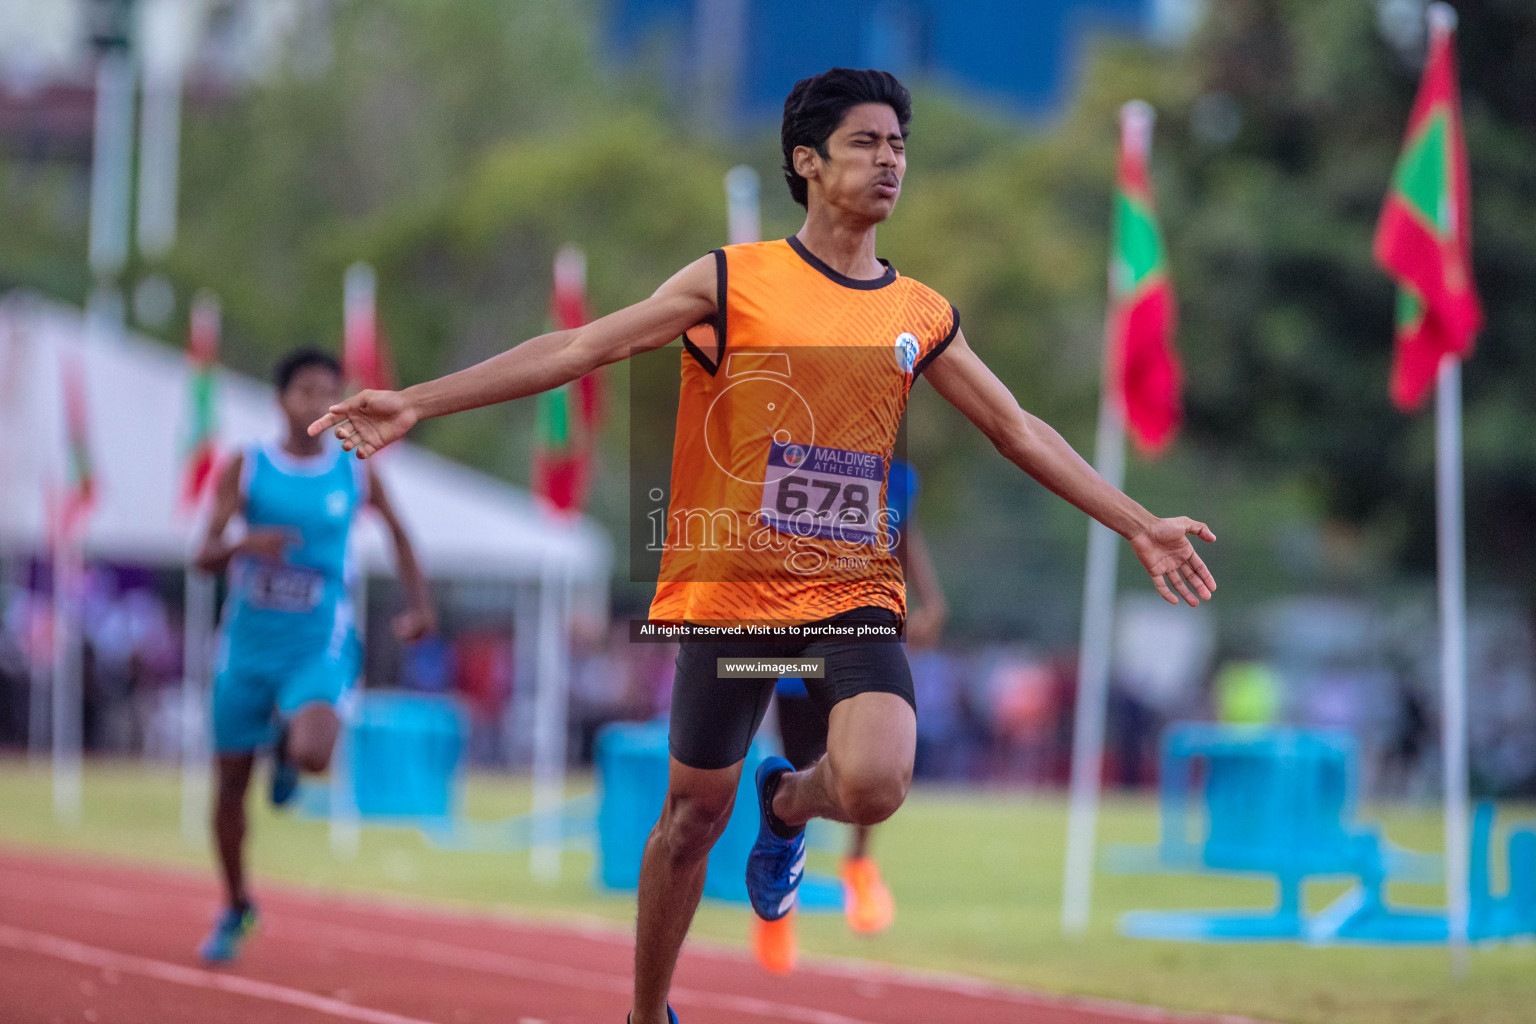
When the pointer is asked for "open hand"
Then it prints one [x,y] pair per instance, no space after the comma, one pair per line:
[1170,559]
[368,421]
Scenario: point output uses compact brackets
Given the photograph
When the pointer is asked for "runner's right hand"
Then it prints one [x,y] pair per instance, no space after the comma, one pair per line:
[368,421]
[270,544]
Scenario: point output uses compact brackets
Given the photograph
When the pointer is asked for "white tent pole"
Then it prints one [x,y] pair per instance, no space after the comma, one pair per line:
[1453,658]
[38,667]
[549,725]
[517,718]
[346,823]
[17,484]
[67,693]
[197,647]
[1092,679]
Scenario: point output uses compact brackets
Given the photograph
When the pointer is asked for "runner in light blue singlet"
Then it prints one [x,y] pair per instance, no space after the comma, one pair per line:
[288,648]
[288,637]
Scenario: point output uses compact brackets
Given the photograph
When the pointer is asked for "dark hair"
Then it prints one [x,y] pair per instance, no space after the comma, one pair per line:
[301,359]
[814,109]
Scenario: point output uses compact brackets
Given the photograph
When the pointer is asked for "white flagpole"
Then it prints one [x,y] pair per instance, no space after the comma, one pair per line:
[199,619]
[360,343]
[166,28]
[1453,658]
[67,693]
[197,648]
[1098,621]
[742,188]
[1092,681]
[551,696]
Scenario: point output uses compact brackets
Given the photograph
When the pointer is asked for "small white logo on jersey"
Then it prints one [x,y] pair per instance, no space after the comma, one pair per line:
[906,352]
[336,504]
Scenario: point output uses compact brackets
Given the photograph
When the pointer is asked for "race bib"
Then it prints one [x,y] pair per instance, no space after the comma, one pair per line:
[832,493]
[284,588]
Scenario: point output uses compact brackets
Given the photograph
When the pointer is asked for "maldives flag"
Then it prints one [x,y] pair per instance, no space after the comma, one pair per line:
[365,358]
[567,417]
[200,452]
[1424,237]
[80,481]
[1145,375]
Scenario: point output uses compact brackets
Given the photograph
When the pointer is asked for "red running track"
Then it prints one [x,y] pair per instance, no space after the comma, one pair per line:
[99,941]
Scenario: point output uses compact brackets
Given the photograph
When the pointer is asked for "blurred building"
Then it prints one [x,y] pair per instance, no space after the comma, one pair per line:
[740,57]
[48,50]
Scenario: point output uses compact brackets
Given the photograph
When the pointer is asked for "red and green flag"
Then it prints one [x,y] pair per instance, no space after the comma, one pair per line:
[80,477]
[1145,375]
[1424,237]
[365,356]
[200,448]
[567,417]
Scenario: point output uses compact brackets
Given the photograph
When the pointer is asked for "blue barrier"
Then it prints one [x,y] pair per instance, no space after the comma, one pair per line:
[632,763]
[404,754]
[1514,913]
[1278,802]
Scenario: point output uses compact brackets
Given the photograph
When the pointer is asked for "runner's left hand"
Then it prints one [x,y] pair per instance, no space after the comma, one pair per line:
[1170,559]
[368,421]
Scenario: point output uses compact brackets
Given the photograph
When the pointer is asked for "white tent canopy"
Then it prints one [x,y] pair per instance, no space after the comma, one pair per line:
[463,523]
[137,394]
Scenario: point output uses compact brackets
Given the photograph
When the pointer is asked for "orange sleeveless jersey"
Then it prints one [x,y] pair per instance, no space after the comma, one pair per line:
[790,402]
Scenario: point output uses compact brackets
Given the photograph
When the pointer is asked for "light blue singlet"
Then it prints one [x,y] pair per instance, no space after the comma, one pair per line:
[288,634]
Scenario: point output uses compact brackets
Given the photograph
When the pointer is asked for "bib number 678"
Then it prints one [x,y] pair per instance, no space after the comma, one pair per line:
[794,497]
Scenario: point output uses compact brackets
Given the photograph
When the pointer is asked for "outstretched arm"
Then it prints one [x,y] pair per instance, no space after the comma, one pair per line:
[370,420]
[1028,442]
[420,618]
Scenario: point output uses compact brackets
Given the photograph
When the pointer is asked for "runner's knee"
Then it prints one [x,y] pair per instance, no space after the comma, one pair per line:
[869,799]
[690,824]
[311,757]
[312,737]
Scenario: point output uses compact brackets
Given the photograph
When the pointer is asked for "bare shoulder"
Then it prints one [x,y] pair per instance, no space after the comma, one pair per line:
[956,366]
[695,281]
[230,469]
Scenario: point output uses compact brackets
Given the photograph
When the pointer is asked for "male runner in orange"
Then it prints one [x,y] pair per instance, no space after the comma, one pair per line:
[852,335]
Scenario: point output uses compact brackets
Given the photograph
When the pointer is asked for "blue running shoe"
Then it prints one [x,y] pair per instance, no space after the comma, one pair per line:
[233,927]
[285,774]
[775,865]
[671,1016]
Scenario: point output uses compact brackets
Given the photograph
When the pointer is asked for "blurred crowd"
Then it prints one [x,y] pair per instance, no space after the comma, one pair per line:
[132,663]
[998,713]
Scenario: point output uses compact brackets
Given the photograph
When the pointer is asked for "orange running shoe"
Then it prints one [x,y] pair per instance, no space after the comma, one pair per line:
[773,943]
[867,903]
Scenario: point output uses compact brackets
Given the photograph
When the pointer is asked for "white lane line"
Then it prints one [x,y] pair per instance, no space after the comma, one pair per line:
[118,900]
[107,899]
[176,974]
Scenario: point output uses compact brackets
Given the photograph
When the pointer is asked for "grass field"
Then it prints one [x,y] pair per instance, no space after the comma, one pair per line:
[977,878]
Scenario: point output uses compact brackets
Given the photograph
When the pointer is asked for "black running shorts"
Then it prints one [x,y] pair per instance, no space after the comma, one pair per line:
[714,719]
[803,728]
